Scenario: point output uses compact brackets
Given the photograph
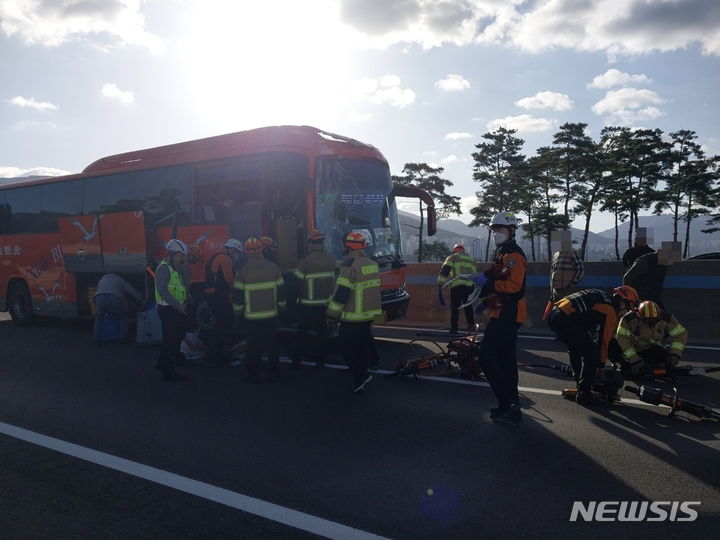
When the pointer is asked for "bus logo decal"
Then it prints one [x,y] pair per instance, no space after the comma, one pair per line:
[87,236]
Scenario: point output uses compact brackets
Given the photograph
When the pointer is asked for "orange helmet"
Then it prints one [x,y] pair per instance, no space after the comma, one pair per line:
[458,248]
[649,312]
[315,235]
[268,243]
[252,244]
[627,294]
[354,240]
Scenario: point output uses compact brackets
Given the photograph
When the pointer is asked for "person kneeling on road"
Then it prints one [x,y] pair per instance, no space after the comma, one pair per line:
[111,296]
[576,319]
[650,338]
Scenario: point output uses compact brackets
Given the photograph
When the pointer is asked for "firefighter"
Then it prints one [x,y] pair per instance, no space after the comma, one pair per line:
[259,295]
[316,278]
[219,277]
[457,263]
[172,277]
[504,292]
[269,248]
[650,336]
[356,302]
[585,321]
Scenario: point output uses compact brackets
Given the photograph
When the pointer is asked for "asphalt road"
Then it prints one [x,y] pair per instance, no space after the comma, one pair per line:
[213,457]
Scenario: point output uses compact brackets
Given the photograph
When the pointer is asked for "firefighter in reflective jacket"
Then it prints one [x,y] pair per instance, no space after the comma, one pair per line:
[458,263]
[259,295]
[356,302]
[172,277]
[219,277]
[650,336]
[316,279]
[585,321]
[504,293]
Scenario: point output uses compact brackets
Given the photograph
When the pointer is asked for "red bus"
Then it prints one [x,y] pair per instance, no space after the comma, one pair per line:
[59,235]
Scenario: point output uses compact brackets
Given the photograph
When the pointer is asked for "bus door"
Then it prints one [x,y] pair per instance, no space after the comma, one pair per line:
[122,238]
[80,241]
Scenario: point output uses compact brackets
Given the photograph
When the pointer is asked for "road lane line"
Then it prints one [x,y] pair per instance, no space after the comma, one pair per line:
[251,505]
[523,336]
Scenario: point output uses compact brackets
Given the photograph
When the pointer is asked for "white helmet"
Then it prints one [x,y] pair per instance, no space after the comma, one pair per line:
[177,246]
[232,243]
[504,219]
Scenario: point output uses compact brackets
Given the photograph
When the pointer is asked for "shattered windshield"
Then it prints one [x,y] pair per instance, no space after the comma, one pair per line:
[352,196]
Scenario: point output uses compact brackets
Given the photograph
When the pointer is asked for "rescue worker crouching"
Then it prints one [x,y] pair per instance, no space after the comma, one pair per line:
[585,321]
[457,263]
[315,274]
[259,295]
[504,294]
[650,337]
[172,277]
[356,302]
[219,277]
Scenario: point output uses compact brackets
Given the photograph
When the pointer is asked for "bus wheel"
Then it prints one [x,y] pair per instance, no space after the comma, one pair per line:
[20,304]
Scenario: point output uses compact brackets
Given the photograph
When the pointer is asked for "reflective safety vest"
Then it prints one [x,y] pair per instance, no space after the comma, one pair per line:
[316,273]
[175,286]
[357,290]
[258,289]
[634,336]
[454,265]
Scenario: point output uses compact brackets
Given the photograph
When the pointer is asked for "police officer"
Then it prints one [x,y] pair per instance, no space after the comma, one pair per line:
[172,277]
[356,302]
[457,263]
[504,293]
[219,277]
[316,278]
[259,295]
[576,319]
[650,337]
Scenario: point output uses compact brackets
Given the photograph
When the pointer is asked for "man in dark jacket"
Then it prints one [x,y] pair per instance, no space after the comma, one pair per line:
[647,274]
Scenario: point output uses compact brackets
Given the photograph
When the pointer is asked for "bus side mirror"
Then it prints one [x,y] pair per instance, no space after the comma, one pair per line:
[431,220]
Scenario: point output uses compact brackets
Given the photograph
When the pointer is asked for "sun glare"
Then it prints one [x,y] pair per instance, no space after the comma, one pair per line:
[261,63]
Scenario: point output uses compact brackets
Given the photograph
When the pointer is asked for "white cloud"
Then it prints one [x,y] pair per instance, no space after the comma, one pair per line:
[17,172]
[628,27]
[547,100]
[53,22]
[629,105]
[359,117]
[453,83]
[111,90]
[386,89]
[523,122]
[452,158]
[30,103]
[614,77]
[456,135]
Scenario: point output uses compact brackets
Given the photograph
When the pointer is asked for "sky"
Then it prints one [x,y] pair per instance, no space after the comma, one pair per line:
[422,80]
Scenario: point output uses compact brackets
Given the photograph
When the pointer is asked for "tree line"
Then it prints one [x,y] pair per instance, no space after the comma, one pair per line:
[625,172]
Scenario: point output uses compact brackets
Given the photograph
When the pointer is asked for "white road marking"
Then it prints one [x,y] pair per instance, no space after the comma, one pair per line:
[251,505]
[523,336]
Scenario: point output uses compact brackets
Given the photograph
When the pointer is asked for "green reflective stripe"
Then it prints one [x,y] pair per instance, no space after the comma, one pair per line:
[629,353]
[679,329]
[369,269]
[334,306]
[279,281]
[237,308]
[316,302]
[262,314]
[344,282]
[260,286]
[175,287]
[465,282]
[657,342]
[297,273]
[441,279]
[367,284]
[361,316]
[239,285]
[677,346]
[622,331]
[318,275]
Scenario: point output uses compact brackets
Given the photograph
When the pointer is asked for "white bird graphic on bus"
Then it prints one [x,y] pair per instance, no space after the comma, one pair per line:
[50,297]
[87,236]
[204,236]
